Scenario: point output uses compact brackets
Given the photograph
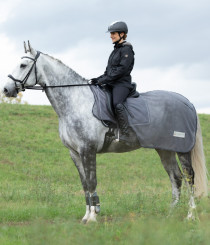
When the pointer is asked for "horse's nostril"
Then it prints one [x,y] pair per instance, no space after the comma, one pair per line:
[5,91]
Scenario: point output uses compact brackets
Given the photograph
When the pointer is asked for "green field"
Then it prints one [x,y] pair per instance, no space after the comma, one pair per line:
[41,197]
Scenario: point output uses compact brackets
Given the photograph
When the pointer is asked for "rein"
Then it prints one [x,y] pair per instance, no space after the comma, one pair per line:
[57,86]
[23,82]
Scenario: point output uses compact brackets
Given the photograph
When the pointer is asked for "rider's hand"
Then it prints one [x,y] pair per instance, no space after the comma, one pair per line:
[93,81]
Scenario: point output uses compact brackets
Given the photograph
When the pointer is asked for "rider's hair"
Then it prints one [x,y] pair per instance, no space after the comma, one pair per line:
[125,36]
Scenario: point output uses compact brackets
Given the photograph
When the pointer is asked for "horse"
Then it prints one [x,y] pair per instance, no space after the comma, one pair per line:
[83,134]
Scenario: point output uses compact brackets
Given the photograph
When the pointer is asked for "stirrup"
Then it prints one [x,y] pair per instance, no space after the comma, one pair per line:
[118,136]
[126,138]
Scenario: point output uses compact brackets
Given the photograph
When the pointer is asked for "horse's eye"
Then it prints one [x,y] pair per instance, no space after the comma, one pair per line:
[22,66]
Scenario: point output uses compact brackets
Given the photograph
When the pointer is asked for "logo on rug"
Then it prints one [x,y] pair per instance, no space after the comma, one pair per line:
[179,134]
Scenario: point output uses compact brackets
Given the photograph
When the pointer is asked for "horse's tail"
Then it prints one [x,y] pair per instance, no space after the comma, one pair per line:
[199,164]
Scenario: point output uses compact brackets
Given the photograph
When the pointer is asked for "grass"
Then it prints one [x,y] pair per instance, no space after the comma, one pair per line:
[42,202]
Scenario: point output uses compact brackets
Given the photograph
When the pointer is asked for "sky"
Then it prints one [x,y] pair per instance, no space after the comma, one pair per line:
[171,40]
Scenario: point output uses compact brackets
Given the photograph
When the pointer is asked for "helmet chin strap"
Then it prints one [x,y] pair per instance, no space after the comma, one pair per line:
[118,40]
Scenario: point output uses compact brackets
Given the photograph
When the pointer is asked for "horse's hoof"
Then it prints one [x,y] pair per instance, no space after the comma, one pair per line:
[84,221]
[190,217]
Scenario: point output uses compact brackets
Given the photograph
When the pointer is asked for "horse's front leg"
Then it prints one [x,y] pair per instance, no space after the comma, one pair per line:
[88,156]
[78,163]
[86,165]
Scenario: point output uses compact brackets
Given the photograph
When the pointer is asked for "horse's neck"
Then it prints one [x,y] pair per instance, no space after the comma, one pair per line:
[56,73]
[66,100]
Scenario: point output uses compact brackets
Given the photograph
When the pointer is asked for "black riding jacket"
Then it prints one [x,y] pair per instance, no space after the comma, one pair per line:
[119,67]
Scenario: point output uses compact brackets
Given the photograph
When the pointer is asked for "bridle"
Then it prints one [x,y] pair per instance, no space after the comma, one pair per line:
[22,86]
[23,82]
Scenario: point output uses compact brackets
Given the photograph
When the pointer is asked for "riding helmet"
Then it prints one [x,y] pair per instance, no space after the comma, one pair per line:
[118,26]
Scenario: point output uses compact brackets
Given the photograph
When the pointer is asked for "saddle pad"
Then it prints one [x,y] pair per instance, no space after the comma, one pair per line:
[161,119]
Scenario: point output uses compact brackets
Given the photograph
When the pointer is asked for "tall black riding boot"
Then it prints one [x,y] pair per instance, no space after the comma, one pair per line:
[123,123]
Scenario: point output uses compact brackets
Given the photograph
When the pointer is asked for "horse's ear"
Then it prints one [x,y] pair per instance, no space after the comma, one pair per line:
[29,46]
[30,49]
[25,49]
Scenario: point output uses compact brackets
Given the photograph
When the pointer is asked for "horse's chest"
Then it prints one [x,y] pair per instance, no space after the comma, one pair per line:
[71,133]
[66,134]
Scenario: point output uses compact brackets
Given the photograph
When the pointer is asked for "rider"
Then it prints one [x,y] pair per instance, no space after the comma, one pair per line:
[117,74]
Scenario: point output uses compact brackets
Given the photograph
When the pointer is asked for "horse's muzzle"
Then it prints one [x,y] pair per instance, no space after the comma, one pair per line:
[9,90]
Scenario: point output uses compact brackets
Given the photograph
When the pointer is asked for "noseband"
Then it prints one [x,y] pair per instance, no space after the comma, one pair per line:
[23,82]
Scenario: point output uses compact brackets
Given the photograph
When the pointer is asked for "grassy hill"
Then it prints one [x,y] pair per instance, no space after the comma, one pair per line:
[42,202]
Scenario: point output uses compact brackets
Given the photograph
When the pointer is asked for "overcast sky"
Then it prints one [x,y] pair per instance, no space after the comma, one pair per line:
[171,40]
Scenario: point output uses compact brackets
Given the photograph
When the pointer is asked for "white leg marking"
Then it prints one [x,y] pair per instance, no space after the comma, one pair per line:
[87,215]
[192,208]
[175,192]
[93,215]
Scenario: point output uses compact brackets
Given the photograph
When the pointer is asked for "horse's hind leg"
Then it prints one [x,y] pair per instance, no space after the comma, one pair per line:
[168,159]
[188,172]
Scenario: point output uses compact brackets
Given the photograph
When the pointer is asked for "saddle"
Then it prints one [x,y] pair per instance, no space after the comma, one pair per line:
[103,107]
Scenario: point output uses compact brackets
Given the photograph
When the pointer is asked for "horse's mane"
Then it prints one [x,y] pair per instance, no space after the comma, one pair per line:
[74,73]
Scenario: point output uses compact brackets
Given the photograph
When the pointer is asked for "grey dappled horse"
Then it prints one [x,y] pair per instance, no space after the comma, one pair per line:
[83,134]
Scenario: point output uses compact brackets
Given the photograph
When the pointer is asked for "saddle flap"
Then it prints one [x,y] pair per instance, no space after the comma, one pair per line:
[137,109]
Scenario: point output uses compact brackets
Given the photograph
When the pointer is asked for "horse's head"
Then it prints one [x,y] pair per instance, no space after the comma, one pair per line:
[24,75]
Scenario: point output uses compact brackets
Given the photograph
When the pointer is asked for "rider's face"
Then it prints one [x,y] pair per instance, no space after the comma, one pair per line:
[115,36]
